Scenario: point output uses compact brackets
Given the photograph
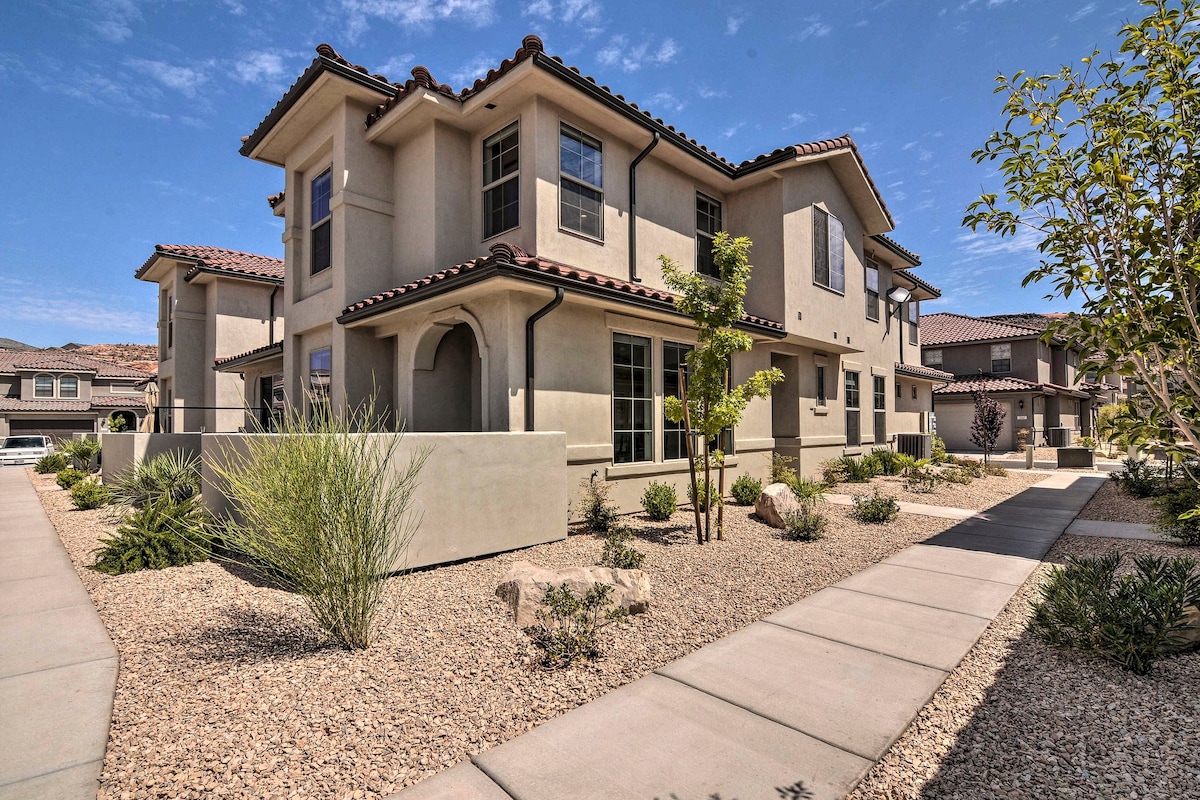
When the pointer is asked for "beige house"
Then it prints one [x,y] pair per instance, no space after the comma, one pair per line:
[486,260]
[213,303]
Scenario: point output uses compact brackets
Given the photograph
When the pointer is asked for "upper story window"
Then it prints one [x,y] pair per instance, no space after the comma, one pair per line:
[829,253]
[879,387]
[319,222]
[68,387]
[43,386]
[320,372]
[580,182]
[933,358]
[170,320]
[633,400]
[708,223]
[1002,357]
[872,287]
[914,321]
[501,181]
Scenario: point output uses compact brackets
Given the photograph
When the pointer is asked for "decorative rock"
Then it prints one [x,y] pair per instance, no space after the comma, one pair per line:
[525,584]
[1191,617]
[774,503]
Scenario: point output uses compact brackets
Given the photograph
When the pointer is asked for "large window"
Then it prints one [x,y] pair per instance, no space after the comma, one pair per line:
[853,435]
[501,181]
[708,223]
[320,223]
[1002,358]
[68,387]
[829,254]
[674,361]
[872,287]
[43,386]
[879,386]
[320,371]
[580,182]
[633,400]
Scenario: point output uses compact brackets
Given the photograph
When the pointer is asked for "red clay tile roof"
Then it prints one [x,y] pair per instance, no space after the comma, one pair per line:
[10,361]
[14,404]
[219,260]
[119,401]
[946,328]
[275,199]
[987,383]
[266,348]
[896,247]
[509,256]
[921,371]
[929,287]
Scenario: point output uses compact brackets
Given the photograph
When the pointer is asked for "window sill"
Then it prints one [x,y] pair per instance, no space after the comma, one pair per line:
[579,235]
[821,411]
[645,469]
[830,289]
[501,233]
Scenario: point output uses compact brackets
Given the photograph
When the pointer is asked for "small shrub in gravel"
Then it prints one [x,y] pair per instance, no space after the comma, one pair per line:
[921,481]
[161,534]
[938,450]
[1174,520]
[886,462]
[781,469]
[52,462]
[809,492]
[1131,619]
[618,553]
[568,627]
[659,501]
[81,452]
[66,478]
[857,470]
[1139,478]
[994,470]
[876,509]
[90,493]
[971,466]
[745,490]
[702,491]
[173,475]
[956,475]
[804,525]
[833,472]
[593,505]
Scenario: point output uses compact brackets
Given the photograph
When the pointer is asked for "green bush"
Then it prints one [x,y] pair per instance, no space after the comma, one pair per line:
[161,534]
[745,490]
[568,627]
[1175,503]
[702,491]
[938,450]
[90,493]
[921,481]
[809,492]
[116,423]
[1088,441]
[885,461]
[857,470]
[618,553]
[171,475]
[971,466]
[781,469]
[81,452]
[875,510]
[51,462]
[833,472]
[995,470]
[1140,478]
[659,500]
[593,505]
[1130,619]
[804,525]
[69,477]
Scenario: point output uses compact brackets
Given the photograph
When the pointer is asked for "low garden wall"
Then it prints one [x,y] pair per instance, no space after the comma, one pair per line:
[120,451]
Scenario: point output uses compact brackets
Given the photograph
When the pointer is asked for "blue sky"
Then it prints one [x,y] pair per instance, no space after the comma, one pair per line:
[123,117]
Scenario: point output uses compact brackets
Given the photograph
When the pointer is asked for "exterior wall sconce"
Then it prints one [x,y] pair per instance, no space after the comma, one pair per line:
[1020,404]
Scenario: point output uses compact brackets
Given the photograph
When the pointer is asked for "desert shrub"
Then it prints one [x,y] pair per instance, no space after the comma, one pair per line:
[701,490]
[833,472]
[995,470]
[70,476]
[1175,504]
[173,475]
[568,627]
[781,469]
[857,470]
[89,493]
[593,505]
[323,507]
[1130,619]
[51,462]
[809,492]
[659,500]
[957,475]
[971,466]
[116,423]
[1022,439]
[909,465]
[745,490]
[163,533]
[921,481]
[804,525]
[1088,441]
[876,509]
[1139,478]
[938,450]
[81,452]
[886,462]
[618,552]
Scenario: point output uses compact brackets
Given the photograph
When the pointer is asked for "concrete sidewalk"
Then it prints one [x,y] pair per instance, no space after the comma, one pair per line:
[58,668]
[923,509]
[814,694]
[1114,530]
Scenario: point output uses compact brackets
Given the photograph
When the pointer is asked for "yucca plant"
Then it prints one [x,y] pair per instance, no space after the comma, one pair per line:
[81,451]
[172,474]
[163,533]
[51,462]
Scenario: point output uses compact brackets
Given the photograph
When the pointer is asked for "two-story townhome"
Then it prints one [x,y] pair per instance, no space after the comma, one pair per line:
[1037,382]
[487,260]
[212,304]
[61,393]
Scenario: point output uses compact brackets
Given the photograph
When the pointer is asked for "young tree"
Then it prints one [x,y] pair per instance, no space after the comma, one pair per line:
[1101,163]
[988,423]
[713,403]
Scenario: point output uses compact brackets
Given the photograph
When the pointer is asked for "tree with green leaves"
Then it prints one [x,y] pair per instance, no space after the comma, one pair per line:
[988,423]
[713,404]
[1101,164]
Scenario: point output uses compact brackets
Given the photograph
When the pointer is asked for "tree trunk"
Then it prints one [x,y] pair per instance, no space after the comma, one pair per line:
[707,482]
[721,479]
[687,438]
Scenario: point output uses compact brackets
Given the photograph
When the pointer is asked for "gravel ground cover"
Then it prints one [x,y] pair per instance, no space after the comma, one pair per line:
[1051,454]
[981,493]
[1018,719]
[226,689]
[1110,504]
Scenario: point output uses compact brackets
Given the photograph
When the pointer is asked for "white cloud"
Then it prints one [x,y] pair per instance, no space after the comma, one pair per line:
[796,119]
[909,145]
[815,29]
[115,19]
[416,13]
[730,132]
[631,58]
[1082,12]
[477,67]
[708,93]
[569,12]
[187,80]
[666,52]
[666,101]
[975,245]
[397,66]
[264,67]
[859,130]
[733,24]
[82,309]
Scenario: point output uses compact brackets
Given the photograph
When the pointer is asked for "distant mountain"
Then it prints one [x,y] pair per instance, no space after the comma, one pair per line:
[13,344]
[134,356]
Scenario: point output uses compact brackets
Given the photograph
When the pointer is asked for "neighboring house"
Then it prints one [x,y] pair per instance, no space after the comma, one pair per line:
[58,394]
[1037,382]
[213,303]
[486,260]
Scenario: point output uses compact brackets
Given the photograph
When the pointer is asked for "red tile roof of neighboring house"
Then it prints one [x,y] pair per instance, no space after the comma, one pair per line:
[219,260]
[271,349]
[988,383]
[275,199]
[119,401]
[11,361]
[921,371]
[946,328]
[15,404]
[513,261]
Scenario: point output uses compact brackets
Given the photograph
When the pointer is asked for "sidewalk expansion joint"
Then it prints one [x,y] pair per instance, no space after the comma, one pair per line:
[939,572]
[923,605]
[114,657]
[28,778]
[499,783]
[860,647]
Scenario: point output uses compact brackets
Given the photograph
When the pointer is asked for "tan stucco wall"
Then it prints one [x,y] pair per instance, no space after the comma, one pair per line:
[124,450]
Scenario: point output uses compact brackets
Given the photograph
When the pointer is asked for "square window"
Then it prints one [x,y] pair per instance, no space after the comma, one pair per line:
[708,224]
[43,386]
[1002,358]
[68,387]
[933,358]
[829,254]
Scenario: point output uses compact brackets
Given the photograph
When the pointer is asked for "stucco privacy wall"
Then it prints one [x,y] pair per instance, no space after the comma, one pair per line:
[123,450]
[478,493]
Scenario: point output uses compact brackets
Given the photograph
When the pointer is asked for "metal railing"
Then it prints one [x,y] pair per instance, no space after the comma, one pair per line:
[164,419]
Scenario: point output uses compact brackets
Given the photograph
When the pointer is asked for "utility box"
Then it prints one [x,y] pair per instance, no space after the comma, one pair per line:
[1059,437]
[1076,457]
[915,445]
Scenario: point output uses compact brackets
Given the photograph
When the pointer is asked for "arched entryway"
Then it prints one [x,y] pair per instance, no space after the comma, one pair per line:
[447,380]
[129,417]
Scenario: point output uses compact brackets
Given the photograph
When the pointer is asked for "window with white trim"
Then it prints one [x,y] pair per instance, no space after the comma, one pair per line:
[68,387]
[580,182]
[43,386]
[829,253]
[320,224]
[872,291]
[674,362]
[633,400]
[820,385]
[1002,358]
[708,224]
[853,427]
[501,181]
[933,358]
[914,321]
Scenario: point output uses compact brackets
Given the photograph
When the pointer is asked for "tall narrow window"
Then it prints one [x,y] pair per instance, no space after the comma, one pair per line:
[820,385]
[43,386]
[1002,357]
[633,400]
[853,434]
[68,387]
[320,372]
[708,223]
[580,182]
[321,224]
[880,391]
[914,321]
[501,181]
[872,286]
[674,362]
[829,253]
[170,320]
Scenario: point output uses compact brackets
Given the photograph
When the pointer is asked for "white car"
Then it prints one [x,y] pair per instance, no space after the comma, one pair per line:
[24,449]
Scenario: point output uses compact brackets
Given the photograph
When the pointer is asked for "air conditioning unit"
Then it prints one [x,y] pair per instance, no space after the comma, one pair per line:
[1058,437]
[915,445]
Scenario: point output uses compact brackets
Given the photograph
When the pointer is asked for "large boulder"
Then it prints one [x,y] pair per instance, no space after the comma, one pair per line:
[525,585]
[775,502]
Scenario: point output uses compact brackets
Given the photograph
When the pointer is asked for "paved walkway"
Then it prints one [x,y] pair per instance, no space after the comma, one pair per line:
[1113,530]
[943,512]
[58,668]
[815,693]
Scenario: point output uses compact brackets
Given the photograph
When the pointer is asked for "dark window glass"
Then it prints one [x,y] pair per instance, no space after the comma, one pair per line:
[580,209]
[708,223]
[674,360]
[880,393]
[581,184]
[320,369]
[851,390]
[820,385]
[501,182]
[872,287]
[829,261]
[43,386]
[853,429]
[320,222]
[321,251]
[914,321]
[68,386]
[633,400]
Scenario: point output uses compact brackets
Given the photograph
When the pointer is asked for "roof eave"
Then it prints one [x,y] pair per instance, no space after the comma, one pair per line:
[204,269]
[911,258]
[239,363]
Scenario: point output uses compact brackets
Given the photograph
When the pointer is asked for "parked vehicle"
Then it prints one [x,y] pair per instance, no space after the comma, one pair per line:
[24,449]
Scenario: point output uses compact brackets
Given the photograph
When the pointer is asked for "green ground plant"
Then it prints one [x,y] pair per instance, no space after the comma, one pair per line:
[66,478]
[781,469]
[618,552]
[857,470]
[659,501]
[745,490]
[886,462]
[1140,477]
[706,502]
[89,493]
[833,471]
[172,474]
[593,504]
[938,450]
[82,452]
[1174,520]
[876,509]
[51,462]
[163,533]
[804,525]
[568,627]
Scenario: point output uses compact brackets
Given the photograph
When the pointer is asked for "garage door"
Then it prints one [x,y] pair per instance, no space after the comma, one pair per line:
[954,426]
[55,428]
